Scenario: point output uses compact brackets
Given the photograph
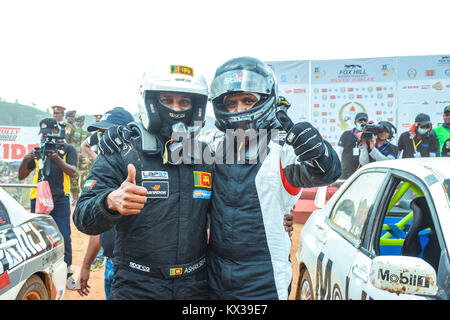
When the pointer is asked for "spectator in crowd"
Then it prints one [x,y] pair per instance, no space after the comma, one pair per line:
[98,117]
[442,132]
[56,168]
[418,142]
[98,243]
[83,162]
[70,126]
[348,146]
[58,113]
[116,116]
[70,131]
[379,147]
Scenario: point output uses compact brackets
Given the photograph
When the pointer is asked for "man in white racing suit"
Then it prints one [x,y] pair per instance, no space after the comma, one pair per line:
[248,252]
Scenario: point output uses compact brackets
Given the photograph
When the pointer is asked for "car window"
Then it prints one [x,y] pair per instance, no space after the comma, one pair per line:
[4,218]
[408,228]
[351,210]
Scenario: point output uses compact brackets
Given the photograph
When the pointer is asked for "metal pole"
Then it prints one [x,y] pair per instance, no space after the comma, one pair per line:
[17,185]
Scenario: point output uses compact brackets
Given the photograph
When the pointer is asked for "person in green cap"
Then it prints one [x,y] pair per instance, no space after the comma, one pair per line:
[70,126]
[442,132]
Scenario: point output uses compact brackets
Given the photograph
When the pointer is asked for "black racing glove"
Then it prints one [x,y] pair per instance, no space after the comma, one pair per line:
[307,142]
[113,139]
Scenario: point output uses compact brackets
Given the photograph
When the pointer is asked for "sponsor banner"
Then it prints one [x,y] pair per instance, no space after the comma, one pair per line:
[293,84]
[424,87]
[342,88]
[16,142]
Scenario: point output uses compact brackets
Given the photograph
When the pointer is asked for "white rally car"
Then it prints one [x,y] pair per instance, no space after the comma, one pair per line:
[383,235]
[32,263]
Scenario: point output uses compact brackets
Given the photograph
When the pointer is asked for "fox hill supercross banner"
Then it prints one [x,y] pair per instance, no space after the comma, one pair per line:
[342,88]
[393,89]
[16,142]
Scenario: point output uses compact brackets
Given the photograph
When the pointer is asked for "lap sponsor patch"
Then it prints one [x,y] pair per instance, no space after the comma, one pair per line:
[201,194]
[155,175]
[156,189]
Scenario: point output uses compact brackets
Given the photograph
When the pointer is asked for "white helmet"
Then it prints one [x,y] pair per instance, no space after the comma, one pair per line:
[158,118]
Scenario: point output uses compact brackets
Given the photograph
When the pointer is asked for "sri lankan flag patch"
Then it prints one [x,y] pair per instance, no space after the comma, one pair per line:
[202,179]
[182,70]
[176,271]
[89,184]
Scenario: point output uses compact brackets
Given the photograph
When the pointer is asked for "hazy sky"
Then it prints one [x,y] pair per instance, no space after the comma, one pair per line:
[90,55]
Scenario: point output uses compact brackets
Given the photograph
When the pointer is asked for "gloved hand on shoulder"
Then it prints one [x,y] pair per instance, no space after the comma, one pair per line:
[114,138]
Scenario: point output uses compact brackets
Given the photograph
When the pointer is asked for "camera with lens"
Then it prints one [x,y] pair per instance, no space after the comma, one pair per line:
[52,143]
[370,130]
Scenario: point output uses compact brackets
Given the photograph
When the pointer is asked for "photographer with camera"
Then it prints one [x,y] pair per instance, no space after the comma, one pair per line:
[418,142]
[376,143]
[348,149]
[55,162]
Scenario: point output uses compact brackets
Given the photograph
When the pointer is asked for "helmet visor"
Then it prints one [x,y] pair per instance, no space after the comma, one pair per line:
[240,80]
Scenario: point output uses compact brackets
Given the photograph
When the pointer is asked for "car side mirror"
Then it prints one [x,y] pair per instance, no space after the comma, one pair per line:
[401,274]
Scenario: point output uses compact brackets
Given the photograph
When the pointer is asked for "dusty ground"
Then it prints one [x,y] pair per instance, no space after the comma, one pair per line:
[79,245]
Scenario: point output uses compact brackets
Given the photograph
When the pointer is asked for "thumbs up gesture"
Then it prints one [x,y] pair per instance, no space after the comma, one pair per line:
[129,199]
[303,137]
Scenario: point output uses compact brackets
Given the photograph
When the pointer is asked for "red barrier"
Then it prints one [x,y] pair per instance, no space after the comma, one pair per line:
[305,205]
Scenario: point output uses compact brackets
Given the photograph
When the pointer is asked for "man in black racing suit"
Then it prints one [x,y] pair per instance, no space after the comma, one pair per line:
[157,207]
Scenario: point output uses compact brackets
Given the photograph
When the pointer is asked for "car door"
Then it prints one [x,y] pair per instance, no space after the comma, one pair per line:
[342,234]
[360,286]
[9,274]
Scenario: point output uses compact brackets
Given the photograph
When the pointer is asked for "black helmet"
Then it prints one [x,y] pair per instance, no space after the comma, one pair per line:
[389,127]
[245,74]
